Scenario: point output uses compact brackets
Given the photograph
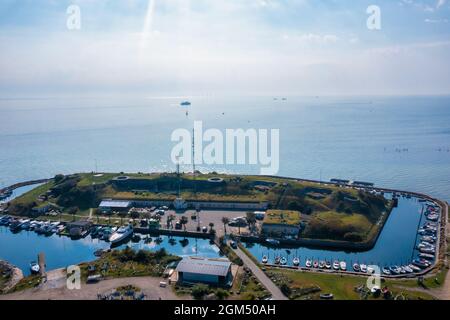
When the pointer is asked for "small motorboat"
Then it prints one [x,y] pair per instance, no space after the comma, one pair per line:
[343,265]
[408,269]
[328,264]
[322,264]
[386,271]
[277,260]
[283,261]
[363,268]
[426,256]
[395,270]
[264,260]
[326,296]
[272,242]
[34,267]
[336,265]
[315,264]
[370,270]
[414,268]
[308,263]
[296,261]
[356,267]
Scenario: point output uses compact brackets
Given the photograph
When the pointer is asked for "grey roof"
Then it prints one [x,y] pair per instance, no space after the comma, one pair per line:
[115,203]
[204,266]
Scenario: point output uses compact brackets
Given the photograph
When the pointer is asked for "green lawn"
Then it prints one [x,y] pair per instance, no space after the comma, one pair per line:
[342,287]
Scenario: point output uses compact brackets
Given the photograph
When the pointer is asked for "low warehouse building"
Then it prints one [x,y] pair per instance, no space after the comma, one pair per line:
[107,206]
[281,224]
[216,272]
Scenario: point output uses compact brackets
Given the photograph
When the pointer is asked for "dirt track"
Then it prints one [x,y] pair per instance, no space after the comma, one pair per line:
[55,289]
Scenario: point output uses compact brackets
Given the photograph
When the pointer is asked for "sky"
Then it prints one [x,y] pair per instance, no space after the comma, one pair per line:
[206,47]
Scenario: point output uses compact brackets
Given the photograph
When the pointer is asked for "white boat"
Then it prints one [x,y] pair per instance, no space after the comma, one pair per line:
[356,267]
[336,265]
[363,268]
[308,263]
[296,261]
[283,261]
[121,234]
[264,260]
[34,267]
[272,242]
[343,265]
[414,268]
[408,269]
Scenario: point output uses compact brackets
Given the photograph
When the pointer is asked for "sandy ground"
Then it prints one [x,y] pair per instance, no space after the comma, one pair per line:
[55,289]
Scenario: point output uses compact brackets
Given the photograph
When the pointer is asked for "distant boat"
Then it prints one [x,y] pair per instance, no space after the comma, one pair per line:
[343,265]
[264,260]
[273,242]
[283,261]
[296,261]
[185,103]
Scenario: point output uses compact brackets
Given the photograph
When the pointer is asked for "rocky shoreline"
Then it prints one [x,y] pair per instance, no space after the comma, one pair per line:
[11,273]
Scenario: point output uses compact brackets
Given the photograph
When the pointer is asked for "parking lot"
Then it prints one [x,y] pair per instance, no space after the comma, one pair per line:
[207,217]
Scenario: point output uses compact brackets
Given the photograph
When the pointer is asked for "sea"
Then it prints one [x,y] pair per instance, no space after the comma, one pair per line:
[394,142]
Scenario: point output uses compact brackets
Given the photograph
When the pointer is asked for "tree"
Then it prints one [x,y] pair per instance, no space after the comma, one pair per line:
[184,221]
[251,219]
[211,226]
[225,221]
[73,211]
[199,291]
[58,178]
[170,218]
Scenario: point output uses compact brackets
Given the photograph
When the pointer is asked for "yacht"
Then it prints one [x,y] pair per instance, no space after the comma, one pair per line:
[283,261]
[363,268]
[264,260]
[185,103]
[121,234]
[308,263]
[296,261]
[328,264]
[343,265]
[322,264]
[315,264]
[356,267]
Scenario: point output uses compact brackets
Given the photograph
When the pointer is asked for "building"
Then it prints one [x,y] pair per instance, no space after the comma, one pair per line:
[281,224]
[215,272]
[107,206]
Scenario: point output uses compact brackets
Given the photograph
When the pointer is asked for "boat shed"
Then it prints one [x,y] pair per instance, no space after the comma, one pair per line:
[200,270]
[115,205]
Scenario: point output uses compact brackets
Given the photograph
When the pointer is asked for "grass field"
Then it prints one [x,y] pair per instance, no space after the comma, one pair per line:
[307,284]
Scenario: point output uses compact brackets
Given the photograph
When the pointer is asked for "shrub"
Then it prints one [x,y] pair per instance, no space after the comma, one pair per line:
[199,291]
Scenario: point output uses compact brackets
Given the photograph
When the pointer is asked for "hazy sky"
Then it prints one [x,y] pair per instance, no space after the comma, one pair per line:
[192,47]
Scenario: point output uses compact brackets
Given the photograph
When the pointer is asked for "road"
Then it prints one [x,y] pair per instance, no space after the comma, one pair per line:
[261,276]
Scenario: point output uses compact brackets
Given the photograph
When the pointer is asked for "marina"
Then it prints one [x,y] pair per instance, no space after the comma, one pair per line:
[406,246]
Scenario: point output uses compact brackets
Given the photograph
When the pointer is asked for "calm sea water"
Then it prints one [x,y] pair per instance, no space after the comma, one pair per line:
[401,142]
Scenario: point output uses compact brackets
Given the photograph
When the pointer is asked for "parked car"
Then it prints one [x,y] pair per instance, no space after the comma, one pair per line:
[233,244]
[204,229]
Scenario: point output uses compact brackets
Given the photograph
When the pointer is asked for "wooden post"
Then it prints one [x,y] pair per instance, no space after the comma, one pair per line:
[41,262]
